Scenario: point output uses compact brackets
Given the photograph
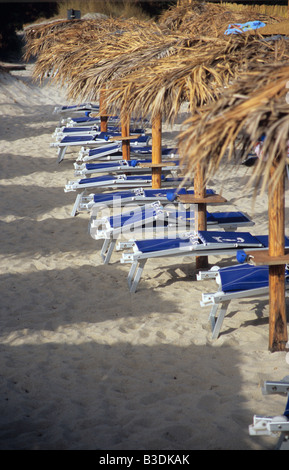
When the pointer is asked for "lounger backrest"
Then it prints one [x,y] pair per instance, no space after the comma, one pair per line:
[243,277]
[233,238]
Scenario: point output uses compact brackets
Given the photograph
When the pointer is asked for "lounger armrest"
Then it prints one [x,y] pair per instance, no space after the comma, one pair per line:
[272,387]
[124,245]
[268,425]
[127,258]
[207,299]
[211,274]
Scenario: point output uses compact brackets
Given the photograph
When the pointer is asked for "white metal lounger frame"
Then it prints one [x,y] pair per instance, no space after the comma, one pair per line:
[273,425]
[110,151]
[173,225]
[101,230]
[89,107]
[115,182]
[90,121]
[85,202]
[137,259]
[122,166]
[107,154]
[62,146]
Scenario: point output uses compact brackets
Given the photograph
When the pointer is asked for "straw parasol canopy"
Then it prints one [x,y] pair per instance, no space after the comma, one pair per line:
[87,54]
[195,74]
[256,105]
[41,37]
[58,45]
[208,19]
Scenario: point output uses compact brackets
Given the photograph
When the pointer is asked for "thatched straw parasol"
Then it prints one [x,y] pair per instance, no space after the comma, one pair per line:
[257,105]
[154,69]
[65,47]
[208,19]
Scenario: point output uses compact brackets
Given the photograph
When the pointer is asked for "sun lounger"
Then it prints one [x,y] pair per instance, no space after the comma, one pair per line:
[172,220]
[140,196]
[107,152]
[93,140]
[89,119]
[86,120]
[202,243]
[76,108]
[61,132]
[116,182]
[114,152]
[235,282]
[128,166]
[274,425]
[109,228]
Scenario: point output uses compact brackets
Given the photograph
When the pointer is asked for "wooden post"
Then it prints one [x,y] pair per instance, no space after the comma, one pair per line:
[200,191]
[277,306]
[103,111]
[125,125]
[156,150]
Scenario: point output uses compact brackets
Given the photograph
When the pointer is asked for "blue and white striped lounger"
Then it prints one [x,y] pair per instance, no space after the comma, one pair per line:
[93,140]
[235,282]
[131,166]
[116,182]
[122,198]
[61,132]
[83,107]
[170,220]
[109,228]
[110,151]
[86,120]
[203,243]
[114,152]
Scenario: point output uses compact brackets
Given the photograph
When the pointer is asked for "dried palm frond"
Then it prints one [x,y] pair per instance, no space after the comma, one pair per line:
[207,18]
[41,37]
[196,75]
[254,106]
[73,50]
[132,53]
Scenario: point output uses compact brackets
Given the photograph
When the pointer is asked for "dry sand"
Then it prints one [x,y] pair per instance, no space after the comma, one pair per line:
[86,365]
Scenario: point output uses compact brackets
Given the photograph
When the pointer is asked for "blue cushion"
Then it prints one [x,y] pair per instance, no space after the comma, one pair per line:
[243,277]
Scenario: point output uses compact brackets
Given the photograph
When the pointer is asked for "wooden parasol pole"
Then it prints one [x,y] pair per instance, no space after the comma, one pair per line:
[277,306]
[103,111]
[125,126]
[156,150]
[200,192]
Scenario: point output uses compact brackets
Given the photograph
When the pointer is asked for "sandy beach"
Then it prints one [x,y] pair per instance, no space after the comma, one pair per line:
[84,363]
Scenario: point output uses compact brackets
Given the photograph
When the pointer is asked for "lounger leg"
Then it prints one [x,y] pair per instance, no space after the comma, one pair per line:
[61,153]
[107,255]
[104,248]
[283,442]
[217,324]
[131,272]
[76,204]
[137,276]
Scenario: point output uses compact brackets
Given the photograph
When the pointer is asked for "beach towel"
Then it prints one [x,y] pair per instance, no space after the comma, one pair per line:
[238,28]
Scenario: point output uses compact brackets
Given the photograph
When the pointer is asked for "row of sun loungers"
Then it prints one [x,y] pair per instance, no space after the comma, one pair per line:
[153,215]
[135,189]
[155,212]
